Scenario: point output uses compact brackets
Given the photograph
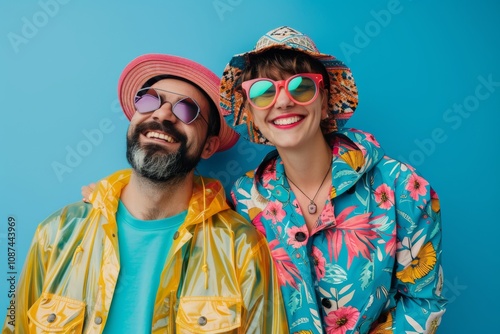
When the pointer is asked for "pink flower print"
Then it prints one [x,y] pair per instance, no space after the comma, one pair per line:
[287,271]
[336,150]
[436,207]
[384,196]
[292,233]
[416,185]
[342,320]
[268,175]
[358,233]
[390,246]
[257,222]
[319,262]
[274,212]
[266,178]
[296,205]
[369,137]
[327,215]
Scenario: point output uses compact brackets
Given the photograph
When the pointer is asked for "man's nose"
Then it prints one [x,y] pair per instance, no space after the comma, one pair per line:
[164,112]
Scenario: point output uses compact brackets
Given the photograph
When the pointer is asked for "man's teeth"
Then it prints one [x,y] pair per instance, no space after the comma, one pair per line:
[286,121]
[160,136]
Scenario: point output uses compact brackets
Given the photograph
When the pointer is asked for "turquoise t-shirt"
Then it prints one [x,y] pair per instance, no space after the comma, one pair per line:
[143,247]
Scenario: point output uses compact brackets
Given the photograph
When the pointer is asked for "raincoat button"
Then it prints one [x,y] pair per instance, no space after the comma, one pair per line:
[98,320]
[51,318]
[202,321]
[300,236]
[176,235]
[326,303]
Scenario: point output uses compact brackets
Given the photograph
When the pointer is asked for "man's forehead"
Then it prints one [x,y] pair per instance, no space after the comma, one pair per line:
[178,86]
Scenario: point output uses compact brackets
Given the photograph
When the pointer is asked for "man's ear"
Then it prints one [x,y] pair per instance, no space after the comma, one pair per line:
[211,146]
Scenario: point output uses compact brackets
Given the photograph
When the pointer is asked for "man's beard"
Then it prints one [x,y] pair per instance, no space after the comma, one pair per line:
[154,162]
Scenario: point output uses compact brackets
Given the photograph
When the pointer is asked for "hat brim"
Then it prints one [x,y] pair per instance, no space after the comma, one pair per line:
[145,67]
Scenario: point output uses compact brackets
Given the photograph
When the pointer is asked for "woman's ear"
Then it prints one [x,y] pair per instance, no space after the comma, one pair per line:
[248,106]
[324,104]
[211,146]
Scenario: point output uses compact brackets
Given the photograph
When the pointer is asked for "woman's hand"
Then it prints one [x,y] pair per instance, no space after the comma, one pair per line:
[86,191]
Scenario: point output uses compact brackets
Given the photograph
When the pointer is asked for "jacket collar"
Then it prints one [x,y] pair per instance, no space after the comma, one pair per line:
[208,196]
[354,153]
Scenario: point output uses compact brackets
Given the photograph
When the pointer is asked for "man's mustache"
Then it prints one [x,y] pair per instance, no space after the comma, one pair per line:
[165,126]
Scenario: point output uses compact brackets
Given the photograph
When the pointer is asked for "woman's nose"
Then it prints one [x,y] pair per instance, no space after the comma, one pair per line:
[283,101]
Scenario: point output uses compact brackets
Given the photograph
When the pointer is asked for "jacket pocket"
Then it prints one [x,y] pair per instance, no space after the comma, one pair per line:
[208,314]
[56,314]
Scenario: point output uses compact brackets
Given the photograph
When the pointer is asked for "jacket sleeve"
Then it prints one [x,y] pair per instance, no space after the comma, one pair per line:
[263,307]
[30,285]
[247,201]
[419,304]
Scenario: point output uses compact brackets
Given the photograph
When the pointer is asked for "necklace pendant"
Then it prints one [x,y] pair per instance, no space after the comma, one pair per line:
[312,208]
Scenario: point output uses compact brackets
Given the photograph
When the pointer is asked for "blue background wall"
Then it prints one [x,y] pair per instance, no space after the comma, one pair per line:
[427,72]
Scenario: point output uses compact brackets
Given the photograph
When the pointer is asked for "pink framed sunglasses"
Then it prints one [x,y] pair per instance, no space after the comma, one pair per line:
[302,88]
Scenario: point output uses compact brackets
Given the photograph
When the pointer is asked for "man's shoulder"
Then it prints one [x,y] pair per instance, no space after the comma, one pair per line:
[66,217]
[243,238]
[236,224]
[231,219]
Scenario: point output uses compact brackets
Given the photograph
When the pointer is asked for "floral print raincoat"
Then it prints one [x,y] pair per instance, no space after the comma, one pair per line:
[372,264]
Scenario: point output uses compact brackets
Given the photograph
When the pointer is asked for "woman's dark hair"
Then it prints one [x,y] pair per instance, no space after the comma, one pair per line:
[275,63]
[213,113]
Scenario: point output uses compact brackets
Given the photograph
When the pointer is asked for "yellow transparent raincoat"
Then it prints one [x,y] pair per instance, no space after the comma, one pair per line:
[225,283]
